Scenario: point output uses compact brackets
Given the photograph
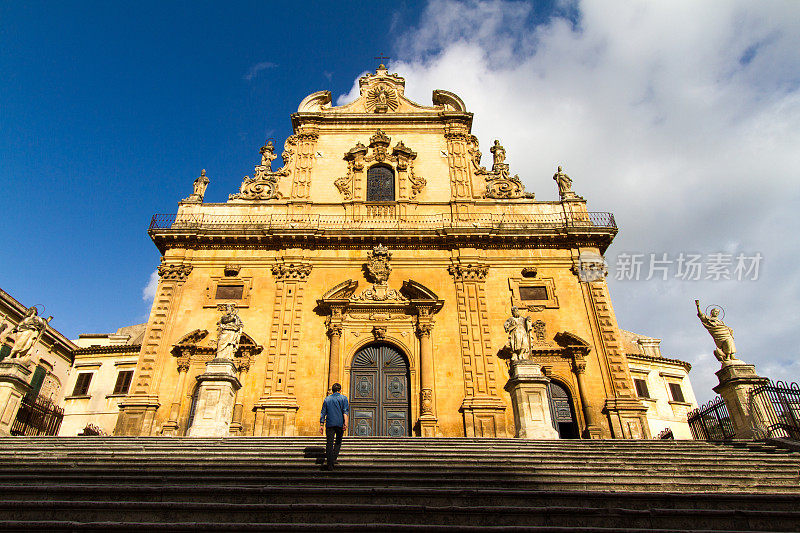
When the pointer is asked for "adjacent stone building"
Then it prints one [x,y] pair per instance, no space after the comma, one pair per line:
[662,384]
[100,378]
[385,256]
[50,356]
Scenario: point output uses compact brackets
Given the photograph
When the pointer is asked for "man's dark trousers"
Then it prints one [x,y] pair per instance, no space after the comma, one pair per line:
[331,448]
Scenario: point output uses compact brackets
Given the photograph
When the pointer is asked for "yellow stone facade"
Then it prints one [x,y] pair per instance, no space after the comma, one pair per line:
[463,243]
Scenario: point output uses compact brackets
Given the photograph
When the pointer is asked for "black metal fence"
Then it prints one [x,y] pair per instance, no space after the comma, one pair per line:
[775,409]
[37,416]
[711,421]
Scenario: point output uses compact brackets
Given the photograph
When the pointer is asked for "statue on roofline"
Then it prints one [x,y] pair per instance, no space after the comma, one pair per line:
[199,189]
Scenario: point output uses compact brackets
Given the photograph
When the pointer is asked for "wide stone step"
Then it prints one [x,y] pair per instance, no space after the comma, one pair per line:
[328,515]
[415,495]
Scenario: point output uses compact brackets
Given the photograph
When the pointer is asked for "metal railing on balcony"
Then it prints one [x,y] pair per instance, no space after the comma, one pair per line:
[711,421]
[283,222]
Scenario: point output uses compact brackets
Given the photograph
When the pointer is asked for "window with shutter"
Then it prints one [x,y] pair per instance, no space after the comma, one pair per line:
[123,382]
[82,384]
[641,388]
[677,392]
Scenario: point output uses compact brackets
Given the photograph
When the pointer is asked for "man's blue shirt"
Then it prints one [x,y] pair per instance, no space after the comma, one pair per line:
[334,408]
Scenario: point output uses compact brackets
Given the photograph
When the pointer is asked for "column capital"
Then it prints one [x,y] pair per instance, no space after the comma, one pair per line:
[424,329]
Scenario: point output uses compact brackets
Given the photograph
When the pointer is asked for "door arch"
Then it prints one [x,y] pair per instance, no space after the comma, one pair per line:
[380,403]
[562,409]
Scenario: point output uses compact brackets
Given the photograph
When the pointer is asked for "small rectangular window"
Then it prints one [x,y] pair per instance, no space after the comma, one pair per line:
[677,393]
[123,382]
[82,384]
[229,292]
[641,388]
[533,293]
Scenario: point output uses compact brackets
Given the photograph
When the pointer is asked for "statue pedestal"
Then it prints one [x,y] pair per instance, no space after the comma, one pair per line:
[14,385]
[216,396]
[528,388]
[736,380]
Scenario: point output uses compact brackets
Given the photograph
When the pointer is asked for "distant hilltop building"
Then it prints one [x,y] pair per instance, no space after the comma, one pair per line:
[386,254]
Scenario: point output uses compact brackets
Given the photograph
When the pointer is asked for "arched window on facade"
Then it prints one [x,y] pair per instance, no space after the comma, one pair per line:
[380,184]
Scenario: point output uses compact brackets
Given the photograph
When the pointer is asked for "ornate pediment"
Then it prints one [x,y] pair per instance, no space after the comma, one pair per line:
[400,158]
[342,291]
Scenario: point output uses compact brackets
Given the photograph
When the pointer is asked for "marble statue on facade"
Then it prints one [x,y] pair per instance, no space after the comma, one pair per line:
[519,335]
[200,185]
[499,154]
[722,334]
[27,333]
[229,333]
[564,183]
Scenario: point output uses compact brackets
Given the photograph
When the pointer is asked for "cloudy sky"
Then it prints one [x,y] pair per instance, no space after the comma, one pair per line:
[682,118]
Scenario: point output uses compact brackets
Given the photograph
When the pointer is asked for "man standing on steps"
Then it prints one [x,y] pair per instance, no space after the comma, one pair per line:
[334,415]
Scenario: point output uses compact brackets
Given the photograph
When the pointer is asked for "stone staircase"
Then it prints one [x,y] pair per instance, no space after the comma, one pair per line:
[495,485]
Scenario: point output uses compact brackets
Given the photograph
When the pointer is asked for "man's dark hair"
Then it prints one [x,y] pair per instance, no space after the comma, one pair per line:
[336,387]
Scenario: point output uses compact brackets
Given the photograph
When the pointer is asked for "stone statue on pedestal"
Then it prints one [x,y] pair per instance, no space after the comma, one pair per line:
[27,333]
[199,191]
[564,183]
[519,335]
[722,334]
[229,333]
[268,155]
[498,153]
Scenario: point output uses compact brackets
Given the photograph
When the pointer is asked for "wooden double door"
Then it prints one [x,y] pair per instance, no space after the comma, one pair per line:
[379,397]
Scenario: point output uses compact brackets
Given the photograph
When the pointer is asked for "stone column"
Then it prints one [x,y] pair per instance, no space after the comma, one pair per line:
[528,388]
[736,380]
[427,419]
[215,399]
[335,333]
[238,407]
[14,385]
[592,430]
[170,428]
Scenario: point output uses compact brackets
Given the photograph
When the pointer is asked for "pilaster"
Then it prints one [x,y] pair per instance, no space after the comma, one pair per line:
[137,411]
[482,407]
[275,412]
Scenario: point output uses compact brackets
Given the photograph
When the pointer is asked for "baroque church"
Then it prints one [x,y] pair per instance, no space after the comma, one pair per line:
[383,256]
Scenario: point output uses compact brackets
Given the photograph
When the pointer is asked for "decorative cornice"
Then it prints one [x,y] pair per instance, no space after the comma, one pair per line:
[287,271]
[116,348]
[174,272]
[643,357]
[468,271]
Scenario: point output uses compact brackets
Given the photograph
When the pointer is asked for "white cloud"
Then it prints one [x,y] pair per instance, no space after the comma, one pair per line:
[149,291]
[682,118]
[258,67]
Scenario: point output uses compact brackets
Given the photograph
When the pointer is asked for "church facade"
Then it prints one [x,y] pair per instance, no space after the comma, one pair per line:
[382,255]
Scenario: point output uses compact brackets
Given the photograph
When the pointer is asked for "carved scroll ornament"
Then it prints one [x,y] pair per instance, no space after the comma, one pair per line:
[500,184]
[264,183]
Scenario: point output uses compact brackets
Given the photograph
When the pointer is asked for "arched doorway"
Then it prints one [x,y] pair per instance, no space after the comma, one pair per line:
[380,404]
[562,410]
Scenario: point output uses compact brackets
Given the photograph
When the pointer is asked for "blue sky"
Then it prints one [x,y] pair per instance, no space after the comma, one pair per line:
[682,118]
